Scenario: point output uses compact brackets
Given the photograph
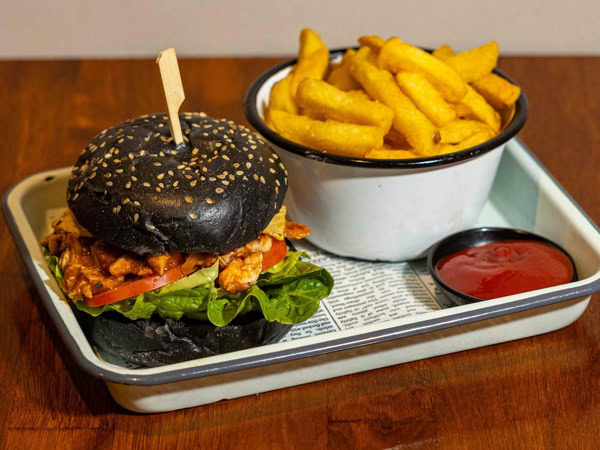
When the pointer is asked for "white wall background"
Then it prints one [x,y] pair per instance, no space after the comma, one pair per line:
[141,28]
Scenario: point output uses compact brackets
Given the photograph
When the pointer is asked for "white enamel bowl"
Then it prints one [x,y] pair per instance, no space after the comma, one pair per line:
[389,210]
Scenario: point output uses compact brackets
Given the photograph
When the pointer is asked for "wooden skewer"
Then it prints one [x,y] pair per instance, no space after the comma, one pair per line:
[171,78]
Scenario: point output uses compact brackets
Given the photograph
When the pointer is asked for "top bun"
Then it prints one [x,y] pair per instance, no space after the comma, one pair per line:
[133,188]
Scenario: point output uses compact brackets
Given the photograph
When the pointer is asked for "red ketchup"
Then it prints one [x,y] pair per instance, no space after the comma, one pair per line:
[504,268]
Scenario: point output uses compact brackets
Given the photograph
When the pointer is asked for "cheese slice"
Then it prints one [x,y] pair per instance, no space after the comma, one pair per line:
[276,228]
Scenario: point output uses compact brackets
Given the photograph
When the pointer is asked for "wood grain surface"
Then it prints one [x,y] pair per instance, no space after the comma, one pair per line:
[541,392]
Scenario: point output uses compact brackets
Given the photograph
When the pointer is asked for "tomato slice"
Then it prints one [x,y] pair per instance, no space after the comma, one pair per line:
[275,255]
[135,288]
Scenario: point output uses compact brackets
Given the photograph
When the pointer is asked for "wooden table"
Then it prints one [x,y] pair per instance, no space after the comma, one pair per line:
[542,392]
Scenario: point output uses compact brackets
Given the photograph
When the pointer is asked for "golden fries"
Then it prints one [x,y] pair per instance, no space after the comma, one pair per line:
[340,76]
[459,130]
[330,136]
[390,154]
[472,64]
[497,91]
[373,42]
[381,86]
[481,109]
[397,56]
[313,58]
[391,100]
[426,98]
[331,103]
[281,96]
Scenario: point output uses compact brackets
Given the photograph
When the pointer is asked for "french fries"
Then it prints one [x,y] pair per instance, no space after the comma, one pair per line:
[313,59]
[408,120]
[331,103]
[426,98]
[340,76]
[330,136]
[397,56]
[281,97]
[391,100]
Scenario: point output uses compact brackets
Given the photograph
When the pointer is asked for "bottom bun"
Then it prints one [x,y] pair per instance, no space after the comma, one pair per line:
[155,342]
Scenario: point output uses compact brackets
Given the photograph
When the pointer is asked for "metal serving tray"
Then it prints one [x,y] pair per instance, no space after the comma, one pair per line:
[524,195]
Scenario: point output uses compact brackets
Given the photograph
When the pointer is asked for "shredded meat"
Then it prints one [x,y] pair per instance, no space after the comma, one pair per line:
[82,275]
[241,273]
[92,266]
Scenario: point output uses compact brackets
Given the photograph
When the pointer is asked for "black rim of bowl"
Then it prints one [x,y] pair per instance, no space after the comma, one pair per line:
[251,111]
[480,236]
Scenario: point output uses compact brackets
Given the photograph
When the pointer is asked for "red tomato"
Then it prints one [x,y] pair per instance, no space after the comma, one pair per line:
[135,288]
[276,254]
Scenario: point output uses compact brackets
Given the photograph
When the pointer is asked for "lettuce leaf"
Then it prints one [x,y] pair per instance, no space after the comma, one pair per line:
[289,292]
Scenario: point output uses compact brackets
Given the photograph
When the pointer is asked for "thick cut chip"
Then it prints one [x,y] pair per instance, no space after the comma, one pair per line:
[459,130]
[472,64]
[330,136]
[478,138]
[373,42]
[340,76]
[281,96]
[443,52]
[497,91]
[390,154]
[313,58]
[426,98]
[481,109]
[420,133]
[397,56]
[332,103]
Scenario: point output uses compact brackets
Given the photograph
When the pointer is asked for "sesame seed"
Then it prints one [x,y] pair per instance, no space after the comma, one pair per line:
[128,185]
[146,184]
[157,164]
[225,157]
[188,199]
[255,177]
[195,151]
[231,177]
[75,196]
[212,179]
[262,180]
[219,190]
[120,141]
[239,172]
[136,203]
[236,165]
[271,170]
[133,178]
[170,172]
[181,166]
[119,170]
[109,183]
[276,190]
[160,176]
[193,216]
[193,183]
[225,182]
[107,175]
[157,189]
[248,165]
[136,216]
[92,175]
[250,156]
[161,185]
[209,201]
[124,202]
[277,183]
[271,160]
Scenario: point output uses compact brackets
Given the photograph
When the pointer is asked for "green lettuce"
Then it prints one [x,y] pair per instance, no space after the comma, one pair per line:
[289,292]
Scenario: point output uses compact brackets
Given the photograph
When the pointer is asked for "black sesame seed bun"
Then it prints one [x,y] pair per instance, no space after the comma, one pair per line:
[133,188]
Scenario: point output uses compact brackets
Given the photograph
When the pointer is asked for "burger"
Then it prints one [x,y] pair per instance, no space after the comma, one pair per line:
[174,252]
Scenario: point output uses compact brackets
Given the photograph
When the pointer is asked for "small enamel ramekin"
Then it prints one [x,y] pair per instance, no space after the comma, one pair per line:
[381,210]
